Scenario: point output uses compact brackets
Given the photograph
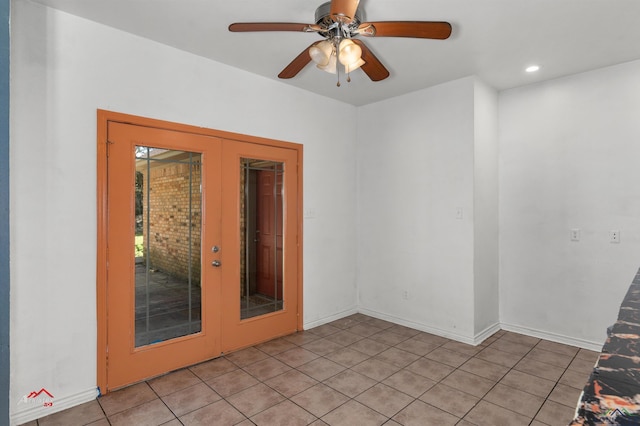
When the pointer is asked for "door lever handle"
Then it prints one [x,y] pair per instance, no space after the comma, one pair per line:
[216,263]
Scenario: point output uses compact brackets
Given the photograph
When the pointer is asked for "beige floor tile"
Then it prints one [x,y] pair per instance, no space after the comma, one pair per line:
[190,399]
[247,356]
[431,339]
[375,369]
[397,357]
[451,400]
[344,338]
[558,348]
[296,357]
[218,413]
[419,413]
[291,383]
[575,379]
[350,383]
[233,382]
[485,413]
[388,337]
[325,330]
[354,413]
[321,369]
[215,367]
[511,347]
[430,369]
[273,347]
[123,399]
[148,414]
[175,381]
[79,415]
[554,414]
[515,400]
[539,369]
[403,330]
[528,383]
[565,395]
[344,323]
[462,348]
[319,399]
[549,357]
[301,337]
[284,413]
[105,422]
[445,356]
[255,399]
[495,356]
[369,347]
[322,346]
[347,357]
[359,370]
[384,399]
[365,329]
[582,366]
[485,369]
[409,382]
[520,338]
[361,317]
[266,369]
[417,347]
[588,355]
[381,324]
[469,383]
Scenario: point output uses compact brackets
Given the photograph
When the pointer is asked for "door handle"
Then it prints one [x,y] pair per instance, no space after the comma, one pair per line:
[216,263]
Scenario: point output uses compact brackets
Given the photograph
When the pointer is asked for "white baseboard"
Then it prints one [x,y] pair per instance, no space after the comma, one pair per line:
[554,337]
[419,326]
[27,412]
[486,333]
[325,320]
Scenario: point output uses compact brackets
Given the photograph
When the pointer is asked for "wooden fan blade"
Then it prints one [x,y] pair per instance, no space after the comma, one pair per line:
[298,63]
[241,27]
[346,8]
[414,29]
[372,67]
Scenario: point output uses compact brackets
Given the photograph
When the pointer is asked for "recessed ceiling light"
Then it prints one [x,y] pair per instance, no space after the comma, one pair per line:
[532,68]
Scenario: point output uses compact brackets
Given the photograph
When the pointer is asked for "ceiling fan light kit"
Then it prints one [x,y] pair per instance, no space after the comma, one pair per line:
[339,22]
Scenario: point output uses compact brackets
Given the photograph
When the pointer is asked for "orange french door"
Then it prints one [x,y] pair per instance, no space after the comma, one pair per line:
[146,296]
[199,246]
[265,310]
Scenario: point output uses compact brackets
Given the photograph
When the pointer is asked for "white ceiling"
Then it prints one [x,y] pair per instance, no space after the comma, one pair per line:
[492,39]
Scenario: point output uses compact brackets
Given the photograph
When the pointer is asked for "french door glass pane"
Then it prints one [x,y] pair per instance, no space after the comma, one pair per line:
[167,244]
[261,265]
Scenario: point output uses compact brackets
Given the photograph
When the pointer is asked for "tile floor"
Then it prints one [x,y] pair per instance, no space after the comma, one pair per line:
[358,371]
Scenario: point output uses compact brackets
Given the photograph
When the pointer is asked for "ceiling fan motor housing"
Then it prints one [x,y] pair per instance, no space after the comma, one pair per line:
[334,26]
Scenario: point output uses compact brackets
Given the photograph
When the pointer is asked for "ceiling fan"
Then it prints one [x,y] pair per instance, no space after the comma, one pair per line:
[339,22]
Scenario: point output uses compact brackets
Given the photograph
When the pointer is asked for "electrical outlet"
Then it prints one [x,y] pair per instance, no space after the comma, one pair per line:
[405,295]
[614,237]
[575,234]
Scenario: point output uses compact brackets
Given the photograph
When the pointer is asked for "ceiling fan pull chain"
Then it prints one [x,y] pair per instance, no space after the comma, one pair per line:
[337,43]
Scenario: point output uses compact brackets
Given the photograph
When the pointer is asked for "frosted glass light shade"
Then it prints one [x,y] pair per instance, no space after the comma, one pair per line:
[354,66]
[321,53]
[349,52]
[330,66]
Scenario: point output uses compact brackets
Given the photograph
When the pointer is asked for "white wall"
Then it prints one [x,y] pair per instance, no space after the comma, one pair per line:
[63,69]
[485,212]
[569,158]
[415,169]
